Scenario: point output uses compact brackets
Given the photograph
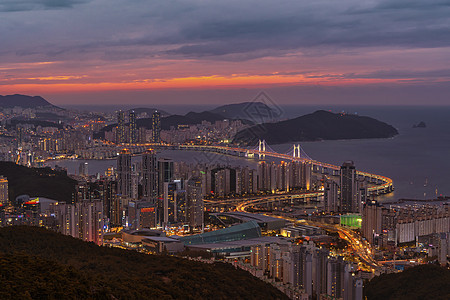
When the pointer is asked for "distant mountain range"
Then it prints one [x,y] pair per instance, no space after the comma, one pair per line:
[320,125]
[23,101]
[257,112]
[191,118]
[248,112]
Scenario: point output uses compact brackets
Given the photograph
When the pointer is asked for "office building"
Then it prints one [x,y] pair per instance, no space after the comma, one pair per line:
[124,183]
[331,196]
[320,269]
[174,203]
[83,169]
[133,132]
[141,214]
[120,130]
[109,198]
[156,127]
[165,175]
[135,172]
[335,277]
[149,175]
[348,184]
[194,202]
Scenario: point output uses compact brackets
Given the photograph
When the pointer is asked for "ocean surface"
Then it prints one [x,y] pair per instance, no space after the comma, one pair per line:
[418,159]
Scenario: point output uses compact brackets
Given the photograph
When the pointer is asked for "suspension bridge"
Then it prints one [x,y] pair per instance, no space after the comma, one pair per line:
[262,151]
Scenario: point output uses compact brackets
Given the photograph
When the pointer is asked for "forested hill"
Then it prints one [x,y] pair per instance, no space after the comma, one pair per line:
[35,263]
[320,125]
[23,101]
[37,182]
[418,283]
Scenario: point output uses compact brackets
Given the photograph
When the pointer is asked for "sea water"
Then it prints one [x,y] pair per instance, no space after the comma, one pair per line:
[417,159]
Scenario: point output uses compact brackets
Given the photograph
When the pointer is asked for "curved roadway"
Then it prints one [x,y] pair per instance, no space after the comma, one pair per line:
[387,184]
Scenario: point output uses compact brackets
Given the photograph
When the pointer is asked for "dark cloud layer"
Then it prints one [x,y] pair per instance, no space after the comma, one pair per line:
[387,24]
[26,5]
[251,28]
[148,40]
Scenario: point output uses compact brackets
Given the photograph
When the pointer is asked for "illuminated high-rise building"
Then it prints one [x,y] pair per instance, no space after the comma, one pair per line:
[3,191]
[165,171]
[156,127]
[149,175]
[222,182]
[330,195]
[133,127]
[135,169]
[120,131]
[372,220]
[174,200]
[124,173]
[141,214]
[91,221]
[83,220]
[19,135]
[263,176]
[246,181]
[335,279]
[348,184]
[83,169]
[165,175]
[194,202]
[109,198]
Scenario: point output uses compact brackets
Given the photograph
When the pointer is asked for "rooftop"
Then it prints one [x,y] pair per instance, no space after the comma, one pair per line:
[243,231]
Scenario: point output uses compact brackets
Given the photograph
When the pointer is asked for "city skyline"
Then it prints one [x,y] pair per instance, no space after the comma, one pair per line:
[197,52]
[201,149]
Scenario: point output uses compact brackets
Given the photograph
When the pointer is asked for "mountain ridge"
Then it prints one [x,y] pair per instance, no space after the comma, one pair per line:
[320,125]
[257,112]
[24,101]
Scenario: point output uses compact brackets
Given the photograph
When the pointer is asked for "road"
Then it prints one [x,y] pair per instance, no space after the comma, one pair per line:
[360,248]
[242,203]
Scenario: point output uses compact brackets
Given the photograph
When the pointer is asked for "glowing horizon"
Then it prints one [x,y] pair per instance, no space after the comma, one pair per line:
[325,51]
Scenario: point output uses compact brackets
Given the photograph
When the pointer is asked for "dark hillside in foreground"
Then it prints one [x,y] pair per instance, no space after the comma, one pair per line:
[320,125]
[418,283]
[37,182]
[76,269]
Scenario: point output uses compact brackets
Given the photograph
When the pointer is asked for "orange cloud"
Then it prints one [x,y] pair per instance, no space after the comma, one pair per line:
[203,82]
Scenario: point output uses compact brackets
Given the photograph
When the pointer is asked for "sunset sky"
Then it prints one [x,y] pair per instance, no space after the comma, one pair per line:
[209,51]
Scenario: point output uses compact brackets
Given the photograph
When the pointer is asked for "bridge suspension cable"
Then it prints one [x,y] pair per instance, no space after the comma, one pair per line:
[296,151]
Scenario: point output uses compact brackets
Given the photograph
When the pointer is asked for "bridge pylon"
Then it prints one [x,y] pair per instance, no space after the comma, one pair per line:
[297,152]
[262,149]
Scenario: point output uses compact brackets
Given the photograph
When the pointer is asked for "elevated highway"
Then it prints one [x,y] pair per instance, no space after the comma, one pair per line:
[381,184]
